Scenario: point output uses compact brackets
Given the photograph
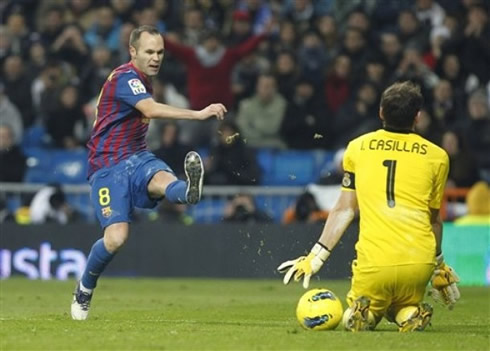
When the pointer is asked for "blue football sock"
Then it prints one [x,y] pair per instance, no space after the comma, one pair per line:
[175,192]
[97,260]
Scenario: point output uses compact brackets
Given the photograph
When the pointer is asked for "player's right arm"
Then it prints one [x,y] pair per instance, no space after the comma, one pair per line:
[337,222]
[152,109]
[339,219]
[131,90]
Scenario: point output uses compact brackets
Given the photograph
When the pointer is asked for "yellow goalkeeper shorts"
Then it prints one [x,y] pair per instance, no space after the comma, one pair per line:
[390,288]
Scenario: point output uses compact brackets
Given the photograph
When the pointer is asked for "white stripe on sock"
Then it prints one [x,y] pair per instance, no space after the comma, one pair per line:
[84,289]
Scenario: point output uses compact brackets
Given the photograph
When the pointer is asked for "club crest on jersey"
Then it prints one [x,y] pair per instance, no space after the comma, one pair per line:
[136,86]
[106,211]
[346,181]
[349,180]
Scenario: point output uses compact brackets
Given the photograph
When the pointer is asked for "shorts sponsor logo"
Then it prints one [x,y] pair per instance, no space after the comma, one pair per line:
[136,86]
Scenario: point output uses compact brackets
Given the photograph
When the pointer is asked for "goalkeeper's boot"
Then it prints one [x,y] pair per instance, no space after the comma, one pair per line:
[194,171]
[359,317]
[80,304]
[418,320]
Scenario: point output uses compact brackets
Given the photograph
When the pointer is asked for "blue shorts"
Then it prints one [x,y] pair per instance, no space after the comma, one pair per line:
[117,190]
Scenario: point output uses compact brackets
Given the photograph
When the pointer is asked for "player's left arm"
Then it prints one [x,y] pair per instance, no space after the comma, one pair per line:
[444,283]
[440,178]
[436,223]
[444,279]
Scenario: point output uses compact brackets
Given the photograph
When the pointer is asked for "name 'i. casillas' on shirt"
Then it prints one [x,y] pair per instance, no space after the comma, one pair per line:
[395,145]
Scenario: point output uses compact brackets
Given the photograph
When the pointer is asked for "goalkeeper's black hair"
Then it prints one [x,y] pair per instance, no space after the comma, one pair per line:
[400,103]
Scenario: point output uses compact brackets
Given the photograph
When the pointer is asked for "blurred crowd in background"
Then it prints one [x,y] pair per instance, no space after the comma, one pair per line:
[294,74]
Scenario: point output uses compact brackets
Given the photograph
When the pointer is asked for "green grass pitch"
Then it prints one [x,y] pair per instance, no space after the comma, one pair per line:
[209,314]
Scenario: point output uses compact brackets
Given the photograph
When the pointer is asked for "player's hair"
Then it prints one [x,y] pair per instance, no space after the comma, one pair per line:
[400,103]
[135,35]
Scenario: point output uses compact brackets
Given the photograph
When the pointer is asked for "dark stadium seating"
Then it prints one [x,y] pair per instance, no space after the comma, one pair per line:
[292,167]
[56,166]
[279,167]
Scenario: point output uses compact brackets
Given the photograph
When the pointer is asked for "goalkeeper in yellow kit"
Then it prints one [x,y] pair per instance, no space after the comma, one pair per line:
[396,180]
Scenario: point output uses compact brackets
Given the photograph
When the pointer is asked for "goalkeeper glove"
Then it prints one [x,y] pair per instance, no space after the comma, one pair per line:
[305,265]
[444,289]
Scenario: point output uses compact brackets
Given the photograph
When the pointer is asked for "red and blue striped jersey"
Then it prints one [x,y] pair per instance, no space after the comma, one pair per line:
[120,129]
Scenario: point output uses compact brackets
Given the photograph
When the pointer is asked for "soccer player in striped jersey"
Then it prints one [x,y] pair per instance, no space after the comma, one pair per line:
[122,173]
[396,179]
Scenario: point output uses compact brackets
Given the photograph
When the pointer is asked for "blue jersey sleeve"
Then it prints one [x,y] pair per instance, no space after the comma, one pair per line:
[131,89]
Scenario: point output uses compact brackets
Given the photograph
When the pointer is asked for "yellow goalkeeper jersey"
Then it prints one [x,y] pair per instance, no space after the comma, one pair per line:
[397,178]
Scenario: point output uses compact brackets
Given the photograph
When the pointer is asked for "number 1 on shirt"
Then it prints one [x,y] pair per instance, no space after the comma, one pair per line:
[390,182]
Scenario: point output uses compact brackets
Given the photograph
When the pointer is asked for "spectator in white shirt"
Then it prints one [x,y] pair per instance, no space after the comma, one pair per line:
[49,205]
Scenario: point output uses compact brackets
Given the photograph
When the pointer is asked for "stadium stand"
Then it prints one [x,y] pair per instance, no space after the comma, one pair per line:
[51,45]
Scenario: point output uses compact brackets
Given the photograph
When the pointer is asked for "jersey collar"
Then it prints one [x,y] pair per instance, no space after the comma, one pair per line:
[401,131]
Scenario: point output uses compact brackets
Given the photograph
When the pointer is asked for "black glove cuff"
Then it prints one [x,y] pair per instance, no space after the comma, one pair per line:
[326,248]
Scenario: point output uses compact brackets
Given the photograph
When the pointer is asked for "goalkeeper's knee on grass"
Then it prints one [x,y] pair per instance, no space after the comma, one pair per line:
[414,318]
[404,314]
[356,319]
